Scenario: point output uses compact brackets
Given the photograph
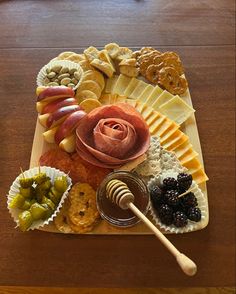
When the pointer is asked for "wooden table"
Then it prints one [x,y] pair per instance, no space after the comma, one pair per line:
[202,32]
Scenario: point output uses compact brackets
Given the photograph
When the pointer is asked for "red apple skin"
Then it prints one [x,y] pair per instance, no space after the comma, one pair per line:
[59,103]
[68,126]
[53,93]
[57,116]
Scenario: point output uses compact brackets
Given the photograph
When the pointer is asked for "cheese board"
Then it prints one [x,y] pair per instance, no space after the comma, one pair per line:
[138,83]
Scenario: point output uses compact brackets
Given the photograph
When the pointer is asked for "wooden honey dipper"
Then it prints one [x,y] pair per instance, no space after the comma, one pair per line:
[119,193]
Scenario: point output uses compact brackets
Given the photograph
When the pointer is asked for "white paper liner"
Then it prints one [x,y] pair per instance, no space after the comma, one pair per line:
[14,189]
[202,204]
[65,63]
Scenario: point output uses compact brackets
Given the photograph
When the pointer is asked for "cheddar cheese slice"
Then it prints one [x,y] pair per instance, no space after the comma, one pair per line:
[112,99]
[120,99]
[146,92]
[193,165]
[182,149]
[129,89]
[154,95]
[140,87]
[146,112]
[153,118]
[200,176]
[175,140]
[121,84]
[163,98]
[188,156]
[141,106]
[168,132]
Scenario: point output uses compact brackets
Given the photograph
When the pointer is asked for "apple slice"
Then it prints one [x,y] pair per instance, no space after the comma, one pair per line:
[69,125]
[68,144]
[40,89]
[43,119]
[59,103]
[49,136]
[40,106]
[58,116]
[53,93]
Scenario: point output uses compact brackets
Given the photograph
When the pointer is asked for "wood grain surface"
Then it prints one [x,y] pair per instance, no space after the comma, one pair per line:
[202,32]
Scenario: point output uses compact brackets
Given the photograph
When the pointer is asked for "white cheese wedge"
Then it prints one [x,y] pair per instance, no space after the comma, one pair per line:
[131,102]
[132,84]
[154,118]
[120,99]
[140,106]
[146,93]
[147,112]
[176,109]
[140,87]
[121,84]
[163,98]
[154,95]
[110,83]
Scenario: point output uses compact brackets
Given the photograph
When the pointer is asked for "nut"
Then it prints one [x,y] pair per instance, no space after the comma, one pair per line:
[65,81]
[64,70]
[52,84]
[71,85]
[56,68]
[72,70]
[77,75]
[74,81]
[51,75]
[62,76]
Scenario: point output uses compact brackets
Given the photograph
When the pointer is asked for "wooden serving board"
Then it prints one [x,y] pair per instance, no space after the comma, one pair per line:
[189,128]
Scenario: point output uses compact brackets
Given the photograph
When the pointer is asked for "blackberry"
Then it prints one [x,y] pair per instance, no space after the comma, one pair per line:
[194,214]
[171,197]
[180,219]
[165,213]
[188,200]
[156,197]
[184,181]
[169,183]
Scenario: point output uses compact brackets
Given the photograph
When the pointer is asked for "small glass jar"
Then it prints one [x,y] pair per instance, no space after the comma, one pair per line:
[112,212]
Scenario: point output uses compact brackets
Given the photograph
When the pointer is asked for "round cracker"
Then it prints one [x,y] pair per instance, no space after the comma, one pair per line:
[89,104]
[85,94]
[91,86]
[96,76]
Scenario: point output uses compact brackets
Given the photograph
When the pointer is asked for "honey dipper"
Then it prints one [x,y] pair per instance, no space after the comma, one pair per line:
[119,193]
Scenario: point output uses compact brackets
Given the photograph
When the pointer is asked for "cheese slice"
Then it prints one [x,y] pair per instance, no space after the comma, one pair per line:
[163,98]
[146,92]
[157,124]
[188,156]
[110,84]
[200,176]
[169,131]
[176,109]
[146,112]
[121,99]
[165,124]
[131,102]
[140,87]
[132,84]
[182,149]
[154,95]
[112,99]
[179,138]
[121,84]
[193,165]
[140,106]
[153,118]
[104,99]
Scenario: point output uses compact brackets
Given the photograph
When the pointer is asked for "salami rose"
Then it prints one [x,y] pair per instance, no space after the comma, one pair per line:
[112,135]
